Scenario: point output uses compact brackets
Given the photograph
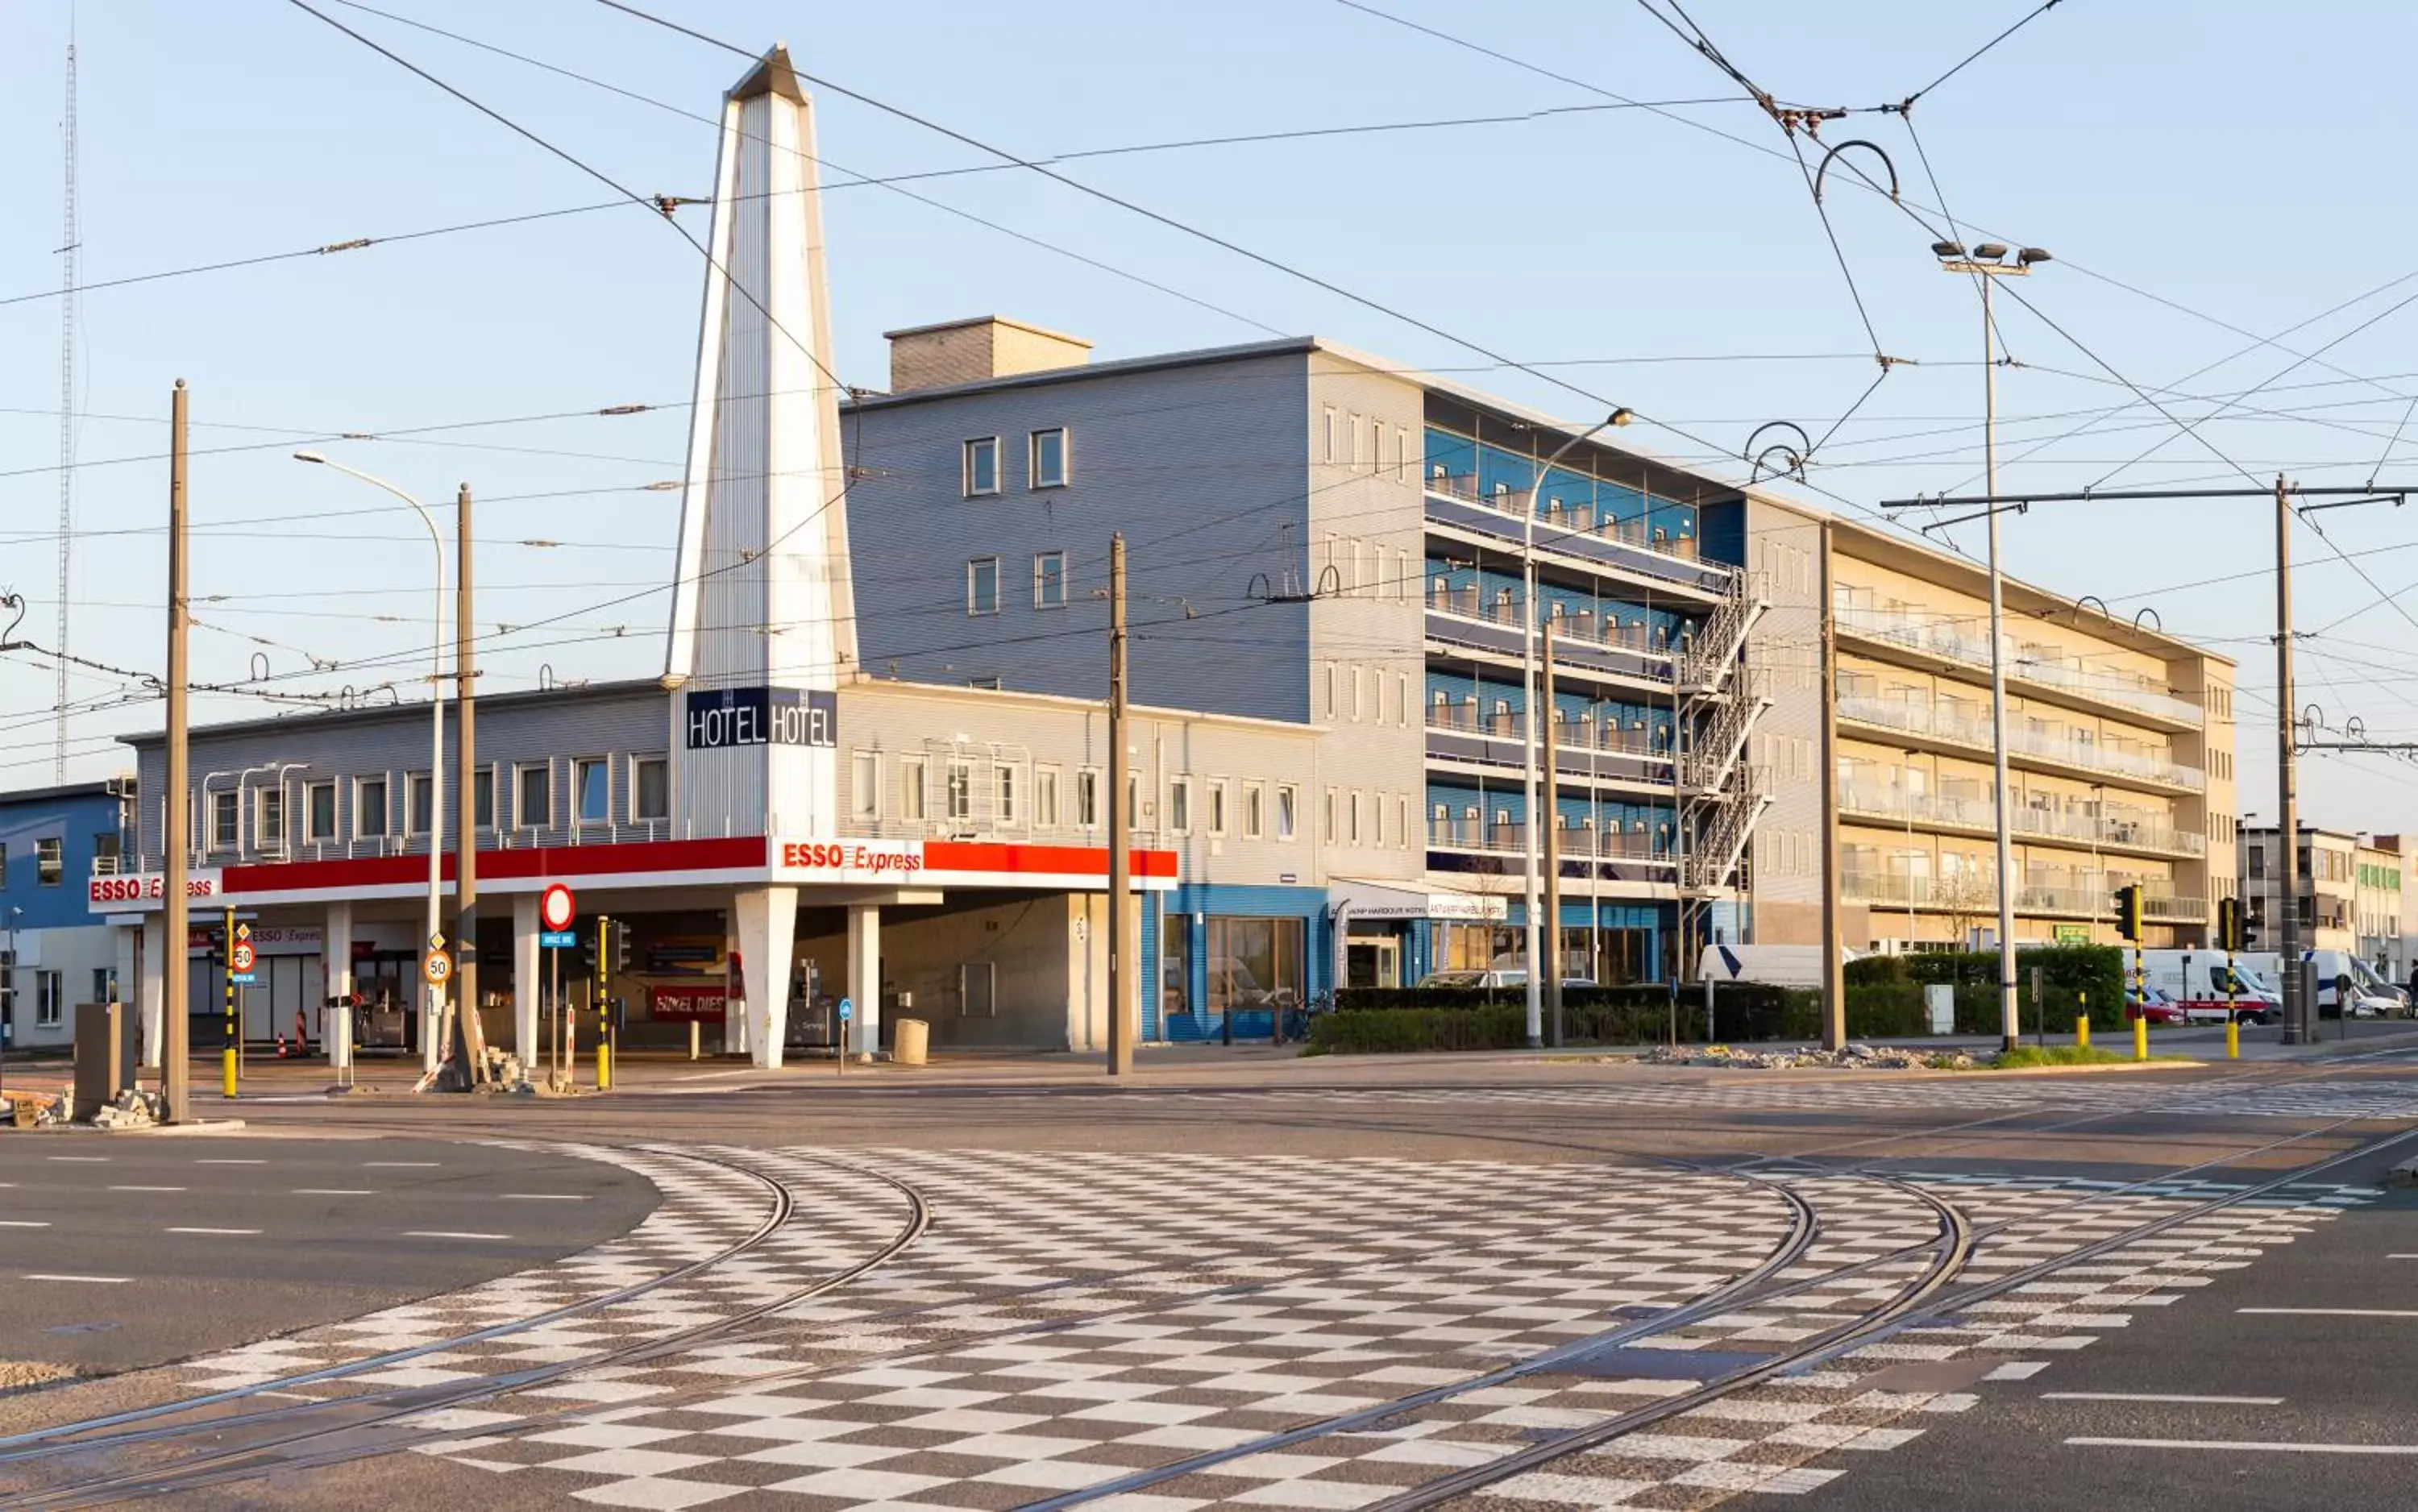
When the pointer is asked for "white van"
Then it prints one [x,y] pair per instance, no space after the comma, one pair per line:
[2197,979]
[2372,996]
[1780,966]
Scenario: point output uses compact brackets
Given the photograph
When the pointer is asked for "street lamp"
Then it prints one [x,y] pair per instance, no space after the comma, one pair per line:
[1528,739]
[1988,262]
[428,1047]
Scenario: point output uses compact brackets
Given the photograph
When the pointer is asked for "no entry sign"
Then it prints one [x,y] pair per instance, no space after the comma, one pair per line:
[556,909]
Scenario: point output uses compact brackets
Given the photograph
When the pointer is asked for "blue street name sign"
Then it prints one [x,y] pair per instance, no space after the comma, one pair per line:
[559,938]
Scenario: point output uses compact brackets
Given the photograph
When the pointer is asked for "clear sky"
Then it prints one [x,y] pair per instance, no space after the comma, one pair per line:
[2206,175]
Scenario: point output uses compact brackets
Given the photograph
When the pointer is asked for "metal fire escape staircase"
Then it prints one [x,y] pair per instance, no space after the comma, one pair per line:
[1722,699]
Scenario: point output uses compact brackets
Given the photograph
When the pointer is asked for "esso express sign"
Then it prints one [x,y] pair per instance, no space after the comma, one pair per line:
[848,860]
[149,888]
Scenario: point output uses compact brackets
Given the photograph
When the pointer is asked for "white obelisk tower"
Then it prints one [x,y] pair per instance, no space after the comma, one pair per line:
[763,624]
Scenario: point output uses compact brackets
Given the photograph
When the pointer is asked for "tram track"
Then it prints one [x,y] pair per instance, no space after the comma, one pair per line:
[389,1406]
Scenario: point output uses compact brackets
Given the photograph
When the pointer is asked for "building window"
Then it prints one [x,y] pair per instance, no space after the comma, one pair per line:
[1045,798]
[1087,799]
[1049,458]
[50,860]
[865,786]
[1353,814]
[1328,449]
[982,586]
[1254,803]
[319,799]
[1287,810]
[103,989]
[1003,794]
[988,682]
[268,819]
[50,1000]
[961,792]
[225,828]
[911,788]
[419,803]
[982,466]
[1049,580]
[105,855]
[592,791]
[1179,804]
[650,788]
[1402,823]
[533,797]
[482,797]
[1254,963]
[1217,806]
[371,820]
[1334,806]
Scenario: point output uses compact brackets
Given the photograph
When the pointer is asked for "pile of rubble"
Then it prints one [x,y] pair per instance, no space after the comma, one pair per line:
[133,1110]
[1853,1058]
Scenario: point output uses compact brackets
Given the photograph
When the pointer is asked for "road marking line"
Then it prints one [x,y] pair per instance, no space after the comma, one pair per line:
[95,1160]
[2249,1445]
[2158,1396]
[230,1162]
[22,1223]
[334,1191]
[146,1188]
[544,1197]
[2332,1312]
[448,1233]
[97,1280]
[403,1164]
[214,1230]
[2401,1256]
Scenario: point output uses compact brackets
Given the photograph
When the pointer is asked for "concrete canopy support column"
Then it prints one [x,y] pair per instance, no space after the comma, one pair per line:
[734,1007]
[767,924]
[150,987]
[865,976]
[336,958]
[528,982]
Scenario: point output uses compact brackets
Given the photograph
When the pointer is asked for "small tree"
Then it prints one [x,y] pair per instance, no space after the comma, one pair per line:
[1965,896]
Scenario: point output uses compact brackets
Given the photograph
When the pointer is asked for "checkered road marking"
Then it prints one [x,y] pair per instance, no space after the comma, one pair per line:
[1071,1319]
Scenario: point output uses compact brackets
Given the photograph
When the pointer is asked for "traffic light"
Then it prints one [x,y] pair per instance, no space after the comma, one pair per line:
[2128,912]
[588,953]
[2229,925]
[621,935]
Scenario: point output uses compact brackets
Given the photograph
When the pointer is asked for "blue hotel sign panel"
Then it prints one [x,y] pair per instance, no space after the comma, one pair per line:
[724,718]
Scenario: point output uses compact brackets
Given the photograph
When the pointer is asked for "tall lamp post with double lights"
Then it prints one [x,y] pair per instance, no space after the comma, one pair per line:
[1537,963]
[429,1050]
[1988,262]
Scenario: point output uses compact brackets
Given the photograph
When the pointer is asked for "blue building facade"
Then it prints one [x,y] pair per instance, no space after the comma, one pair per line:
[53,842]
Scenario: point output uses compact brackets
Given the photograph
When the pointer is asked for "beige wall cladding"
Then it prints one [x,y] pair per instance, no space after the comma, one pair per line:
[968,351]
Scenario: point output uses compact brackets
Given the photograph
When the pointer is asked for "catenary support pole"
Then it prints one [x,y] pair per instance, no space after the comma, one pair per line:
[465,818]
[1834,976]
[175,844]
[1549,962]
[2008,1027]
[2297,1014]
[1122,1025]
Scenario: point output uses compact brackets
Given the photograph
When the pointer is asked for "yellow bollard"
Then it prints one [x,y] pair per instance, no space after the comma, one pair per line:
[2140,1039]
[2233,1039]
[226,1070]
[2082,1032]
[603,1063]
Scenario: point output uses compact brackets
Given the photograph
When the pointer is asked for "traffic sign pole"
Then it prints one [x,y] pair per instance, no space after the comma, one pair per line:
[230,1058]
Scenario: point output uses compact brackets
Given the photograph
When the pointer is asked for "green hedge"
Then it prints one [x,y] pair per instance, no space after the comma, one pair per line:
[2066,972]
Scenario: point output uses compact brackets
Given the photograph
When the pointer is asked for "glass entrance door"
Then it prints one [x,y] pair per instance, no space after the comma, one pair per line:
[1372,962]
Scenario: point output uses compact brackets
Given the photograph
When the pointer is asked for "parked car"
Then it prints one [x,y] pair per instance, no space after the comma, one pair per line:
[1515,976]
[2155,1006]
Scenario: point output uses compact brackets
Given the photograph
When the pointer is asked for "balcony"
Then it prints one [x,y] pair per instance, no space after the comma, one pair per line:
[1458,619]
[1577,842]
[1953,642]
[1978,895]
[1949,726]
[1625,546]
[1585,749]
[1935,811]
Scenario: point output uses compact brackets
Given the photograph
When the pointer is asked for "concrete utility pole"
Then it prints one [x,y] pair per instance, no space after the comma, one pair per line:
[176,980]
[1552,955]
[2298,1016]
[1122,1024]
[466,825]
[1834,974]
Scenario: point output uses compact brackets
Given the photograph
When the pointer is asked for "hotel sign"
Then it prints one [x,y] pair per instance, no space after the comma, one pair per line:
[724,718]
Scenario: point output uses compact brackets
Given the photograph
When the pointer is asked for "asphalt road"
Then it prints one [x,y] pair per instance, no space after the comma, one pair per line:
[126,1250]
[1518,1204]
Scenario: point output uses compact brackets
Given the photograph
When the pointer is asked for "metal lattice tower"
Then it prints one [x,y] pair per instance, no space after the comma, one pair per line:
[67,418]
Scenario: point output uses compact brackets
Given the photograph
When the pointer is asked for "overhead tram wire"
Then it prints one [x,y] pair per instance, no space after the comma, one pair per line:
[1226,244]
[1906,105]
[1766,150]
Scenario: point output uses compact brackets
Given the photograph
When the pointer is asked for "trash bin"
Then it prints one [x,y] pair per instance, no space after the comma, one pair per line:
[908,1037]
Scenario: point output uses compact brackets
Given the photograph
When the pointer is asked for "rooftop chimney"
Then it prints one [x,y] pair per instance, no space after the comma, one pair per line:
[969,351]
